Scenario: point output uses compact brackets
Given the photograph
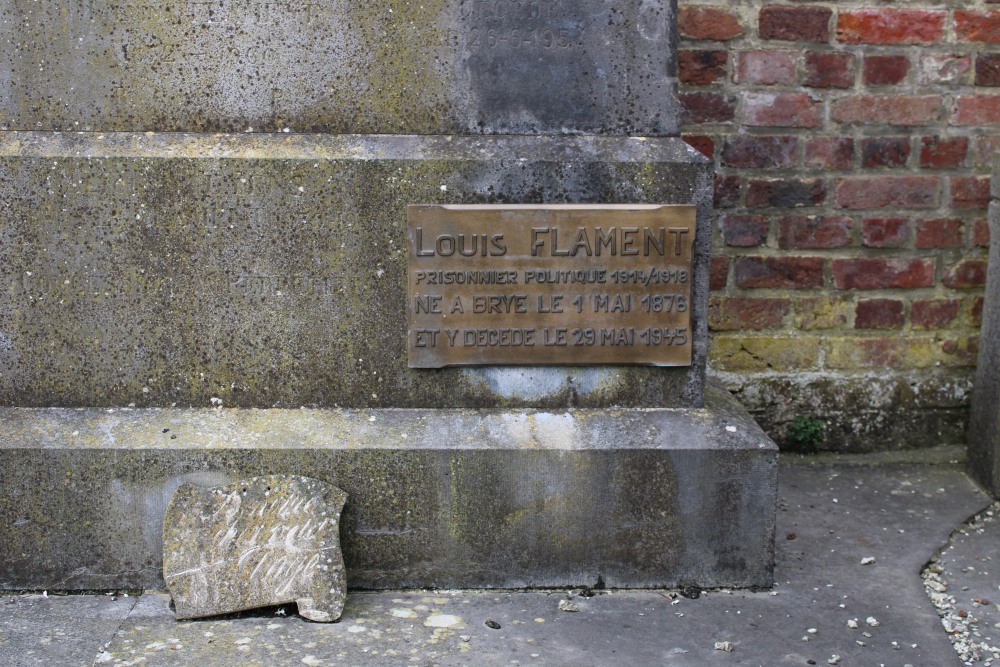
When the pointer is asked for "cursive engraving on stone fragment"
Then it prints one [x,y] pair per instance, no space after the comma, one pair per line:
[255,543]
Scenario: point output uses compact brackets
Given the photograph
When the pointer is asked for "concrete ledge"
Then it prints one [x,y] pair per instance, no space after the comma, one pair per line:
[446,498]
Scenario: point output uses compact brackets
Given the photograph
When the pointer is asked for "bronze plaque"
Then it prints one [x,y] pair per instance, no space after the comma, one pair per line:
[559,284]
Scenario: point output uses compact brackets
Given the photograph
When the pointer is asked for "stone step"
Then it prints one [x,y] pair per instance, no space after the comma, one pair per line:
[436,498]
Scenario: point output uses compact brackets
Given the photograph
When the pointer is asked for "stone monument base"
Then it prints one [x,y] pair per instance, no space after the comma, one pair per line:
[160,270]
[635,498]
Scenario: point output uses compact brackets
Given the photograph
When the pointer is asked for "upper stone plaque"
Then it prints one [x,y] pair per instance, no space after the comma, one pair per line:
[341,66]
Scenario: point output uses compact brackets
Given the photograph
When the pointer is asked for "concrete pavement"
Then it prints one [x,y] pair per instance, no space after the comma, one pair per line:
[853,536]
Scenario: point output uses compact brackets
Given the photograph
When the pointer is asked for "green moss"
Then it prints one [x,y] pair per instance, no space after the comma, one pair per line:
[409,42]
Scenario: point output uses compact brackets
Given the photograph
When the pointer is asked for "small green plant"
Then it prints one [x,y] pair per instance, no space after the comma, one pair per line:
[804,435]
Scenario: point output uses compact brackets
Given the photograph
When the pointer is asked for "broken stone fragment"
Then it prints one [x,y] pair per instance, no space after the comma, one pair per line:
[256,543]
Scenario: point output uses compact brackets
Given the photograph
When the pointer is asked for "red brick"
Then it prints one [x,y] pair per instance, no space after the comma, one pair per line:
[976,312]
[786,193]
[943,152]
[889,109]
[882,273]
[778,272]
[967,273]
[890,26]
[698,68]
[976,110]
[752,152]
[817,313]
[977,26]
[796,24]
[879,314]
[727,190]
[699,108]
[830,152]
[970,192]
[885,70]
[981,234]
[940,233]
[718,274]
[966,350]
[882,352]
[988,69]
[934,313]
[884,191]
[702,143]
[729,314]
[815,231]
[744,231]
[701,22]
[885,232]
[782,110]
[935,68]
[765,68]
[829,70]
[885,151]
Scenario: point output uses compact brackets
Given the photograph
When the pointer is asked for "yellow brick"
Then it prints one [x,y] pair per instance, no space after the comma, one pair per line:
[855,353]
[822,313]
[739,352]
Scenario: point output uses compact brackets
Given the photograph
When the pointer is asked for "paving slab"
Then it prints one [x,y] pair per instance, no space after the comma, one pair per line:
[831,519]
[852,540]
[963,581]
[43,629]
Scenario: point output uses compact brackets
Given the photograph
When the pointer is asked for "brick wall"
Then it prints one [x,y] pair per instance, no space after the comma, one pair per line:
[852,146]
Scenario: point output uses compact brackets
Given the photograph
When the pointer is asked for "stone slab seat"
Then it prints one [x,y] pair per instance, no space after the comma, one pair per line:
[436,498]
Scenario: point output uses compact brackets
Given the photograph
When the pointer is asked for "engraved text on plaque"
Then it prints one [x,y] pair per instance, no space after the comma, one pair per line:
[557,284]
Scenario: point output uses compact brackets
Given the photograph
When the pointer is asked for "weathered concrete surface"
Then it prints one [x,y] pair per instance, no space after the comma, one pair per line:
[255,543]
[458,498]
[270,270]
[961,581]
[984,417]
[411,66]
[860,412]
[43,629]
[898,514]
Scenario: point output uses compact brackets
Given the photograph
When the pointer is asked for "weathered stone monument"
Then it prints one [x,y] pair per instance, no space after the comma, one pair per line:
[249,238]
[984,420]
